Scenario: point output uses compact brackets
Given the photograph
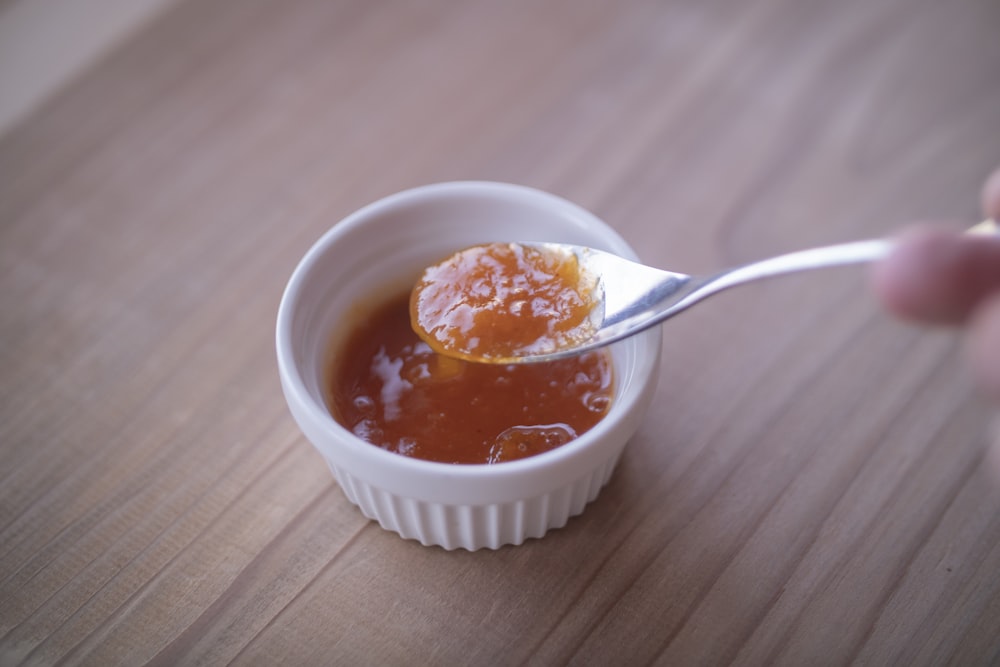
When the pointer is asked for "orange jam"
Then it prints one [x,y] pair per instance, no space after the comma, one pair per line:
[499,301]
[389,388]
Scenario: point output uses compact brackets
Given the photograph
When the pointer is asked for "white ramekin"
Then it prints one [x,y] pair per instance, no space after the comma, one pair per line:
[380,250]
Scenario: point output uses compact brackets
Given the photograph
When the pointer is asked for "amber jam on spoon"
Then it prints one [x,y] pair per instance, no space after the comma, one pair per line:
[499,302]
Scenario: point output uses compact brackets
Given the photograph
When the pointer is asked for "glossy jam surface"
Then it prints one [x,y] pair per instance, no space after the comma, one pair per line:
[500,301]
[390,389]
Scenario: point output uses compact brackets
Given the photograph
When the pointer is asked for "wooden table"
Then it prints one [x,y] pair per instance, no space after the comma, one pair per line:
[814,484]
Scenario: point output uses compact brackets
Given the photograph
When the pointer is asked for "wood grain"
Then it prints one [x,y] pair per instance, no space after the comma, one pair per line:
[815,484]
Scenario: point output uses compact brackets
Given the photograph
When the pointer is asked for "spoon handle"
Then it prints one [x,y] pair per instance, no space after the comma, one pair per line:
[813,258]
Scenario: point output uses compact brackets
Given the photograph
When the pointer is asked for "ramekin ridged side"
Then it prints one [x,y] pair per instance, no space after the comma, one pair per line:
[380,249]
[474,527]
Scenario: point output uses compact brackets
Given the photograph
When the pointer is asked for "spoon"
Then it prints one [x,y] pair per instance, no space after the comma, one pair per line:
[629,297]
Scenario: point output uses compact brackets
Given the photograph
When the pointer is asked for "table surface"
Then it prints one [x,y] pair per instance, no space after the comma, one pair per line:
[814,483]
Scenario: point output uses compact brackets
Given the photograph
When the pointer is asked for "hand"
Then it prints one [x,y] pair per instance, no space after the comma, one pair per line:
[938,276]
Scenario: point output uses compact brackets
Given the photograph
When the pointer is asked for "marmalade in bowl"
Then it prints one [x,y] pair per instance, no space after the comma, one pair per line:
[388,387]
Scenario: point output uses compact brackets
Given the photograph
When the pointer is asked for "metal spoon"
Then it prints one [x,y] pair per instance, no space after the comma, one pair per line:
[636,297]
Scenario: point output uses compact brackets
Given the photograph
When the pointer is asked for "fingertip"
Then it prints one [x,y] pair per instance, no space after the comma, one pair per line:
[888,285]
[907,282]
[991,196]
[983,345]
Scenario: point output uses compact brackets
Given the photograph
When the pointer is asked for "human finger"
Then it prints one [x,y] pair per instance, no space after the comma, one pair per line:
[991,196]
[937,276]
[984,344]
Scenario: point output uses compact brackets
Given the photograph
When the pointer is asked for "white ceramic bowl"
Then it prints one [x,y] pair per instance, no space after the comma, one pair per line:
[381,249]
